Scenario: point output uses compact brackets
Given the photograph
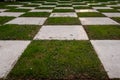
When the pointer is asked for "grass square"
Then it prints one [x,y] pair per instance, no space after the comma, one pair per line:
[108,10]
[90,14]
[5,19]
[117,7]
[103,32]
[44,8]
[116,19]
[17,32]
[36,14]
[62,21]
[17,10]
[63,10]
[68,60]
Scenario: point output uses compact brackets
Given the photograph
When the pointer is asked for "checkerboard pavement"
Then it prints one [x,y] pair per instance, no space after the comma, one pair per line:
[52,28]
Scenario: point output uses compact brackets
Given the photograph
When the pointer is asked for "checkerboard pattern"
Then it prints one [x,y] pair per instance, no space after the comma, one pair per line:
[62,20]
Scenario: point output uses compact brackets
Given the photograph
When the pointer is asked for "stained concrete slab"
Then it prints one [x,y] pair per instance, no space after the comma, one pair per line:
[48,6]
[28,20]
[112,14]
[112,5]
[86,10]
[41,10]
[101,7]
[97,21]
[12,14]
[60,32]
[15,5]
[94,4]
[80,5]
[26,8]
[2,10]
[109,53]
[63,7]
[10,51]
[70,14]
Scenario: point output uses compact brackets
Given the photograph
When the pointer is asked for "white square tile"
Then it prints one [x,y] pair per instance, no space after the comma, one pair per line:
[12,14]
[70,14]
[27,20]
[86,10]
[94,4]
[10,51]
[63,7]
[109,53]
[58,32]
[80,6]
[101,7]
[2,10]
[112,5]
[97,21]
[112,14]
[41,10]
[15,5]
[26,8]
[48,6]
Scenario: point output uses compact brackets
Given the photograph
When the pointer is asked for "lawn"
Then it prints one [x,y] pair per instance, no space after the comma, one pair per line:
[62,21]
[18,32]
[90,14]
[63,10]
[5,19]
[59,60]
[36,14]
[101,32]
[18,10]
[116,19]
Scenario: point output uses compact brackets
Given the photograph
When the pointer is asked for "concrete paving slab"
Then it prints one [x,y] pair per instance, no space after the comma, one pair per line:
[12,14]
[26,8]
[102,8]
[97,21]
[2,10]
[15,5]
[109,53]
[70,14]
[63,7]
[27,20]
[86,10]
[112,14]
[10,51]
[60,32]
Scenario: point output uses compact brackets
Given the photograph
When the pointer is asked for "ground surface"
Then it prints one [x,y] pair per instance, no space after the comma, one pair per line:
[60,40]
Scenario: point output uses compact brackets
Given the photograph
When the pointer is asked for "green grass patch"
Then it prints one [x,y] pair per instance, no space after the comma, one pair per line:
[108,10]
[5,19]
[44,7]
[18,10]
[82,7]
[18,32]
[62,21]
[103,32]
[70,60]
[63,10]
[36,14]
[118,7]
[90,14]
[116,19]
